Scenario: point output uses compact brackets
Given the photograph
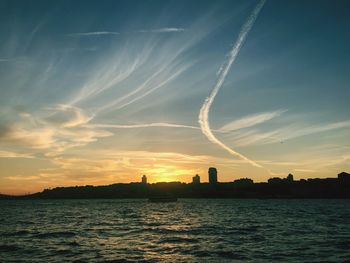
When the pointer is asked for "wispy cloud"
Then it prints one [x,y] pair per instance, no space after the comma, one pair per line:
[317,129]
[305,170]
[286,133]
[7,154]
[109,75]
[13,59]
[204,111]
[34,137]
[94,33]
[75,49]
[138,70]
[23,177]
[256,137]
[67,116]
[60,128]
[104,33]
[251,120]
[152,84]
[162,30]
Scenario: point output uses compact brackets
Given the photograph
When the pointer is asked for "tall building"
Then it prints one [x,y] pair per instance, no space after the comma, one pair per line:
[196,179]
[213,175]
[144,179]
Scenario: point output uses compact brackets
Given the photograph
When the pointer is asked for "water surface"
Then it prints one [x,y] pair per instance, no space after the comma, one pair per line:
[214,230]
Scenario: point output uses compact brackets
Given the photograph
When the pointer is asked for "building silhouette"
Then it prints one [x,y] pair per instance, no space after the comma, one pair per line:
[213,175]
[344,176]
[196,179]
[144,179]
[290,178]
[277,180]
[243,182]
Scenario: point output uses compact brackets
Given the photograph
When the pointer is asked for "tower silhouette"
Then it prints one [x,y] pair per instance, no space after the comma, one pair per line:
[213,175]
[196,179]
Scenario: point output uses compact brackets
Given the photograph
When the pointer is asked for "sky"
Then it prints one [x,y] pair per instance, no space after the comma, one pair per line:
[102,92]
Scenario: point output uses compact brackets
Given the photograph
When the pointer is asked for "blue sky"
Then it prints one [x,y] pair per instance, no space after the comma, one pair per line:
[104,91]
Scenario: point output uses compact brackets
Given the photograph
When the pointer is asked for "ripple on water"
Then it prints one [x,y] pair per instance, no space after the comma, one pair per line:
[56,234]
[178,239]
[8,248]
[227,254]
[73,244]
[16,233]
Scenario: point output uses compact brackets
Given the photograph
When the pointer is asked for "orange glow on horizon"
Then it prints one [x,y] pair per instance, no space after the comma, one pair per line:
[168,173]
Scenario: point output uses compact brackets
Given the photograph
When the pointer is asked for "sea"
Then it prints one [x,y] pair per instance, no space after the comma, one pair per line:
[189,230]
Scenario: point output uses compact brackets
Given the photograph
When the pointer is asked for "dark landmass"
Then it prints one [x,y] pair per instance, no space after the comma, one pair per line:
[241,188]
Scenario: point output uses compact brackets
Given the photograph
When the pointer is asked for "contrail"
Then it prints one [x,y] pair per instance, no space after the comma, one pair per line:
[204,111]
[144,125]
[162,30]
[98,33]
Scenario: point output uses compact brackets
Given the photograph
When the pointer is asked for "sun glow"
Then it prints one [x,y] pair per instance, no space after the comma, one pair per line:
[168,173]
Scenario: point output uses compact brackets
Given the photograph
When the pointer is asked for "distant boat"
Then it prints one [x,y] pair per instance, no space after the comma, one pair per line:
[162,199]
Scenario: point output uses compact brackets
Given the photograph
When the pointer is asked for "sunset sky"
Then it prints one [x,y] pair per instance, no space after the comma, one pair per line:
[100,92]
